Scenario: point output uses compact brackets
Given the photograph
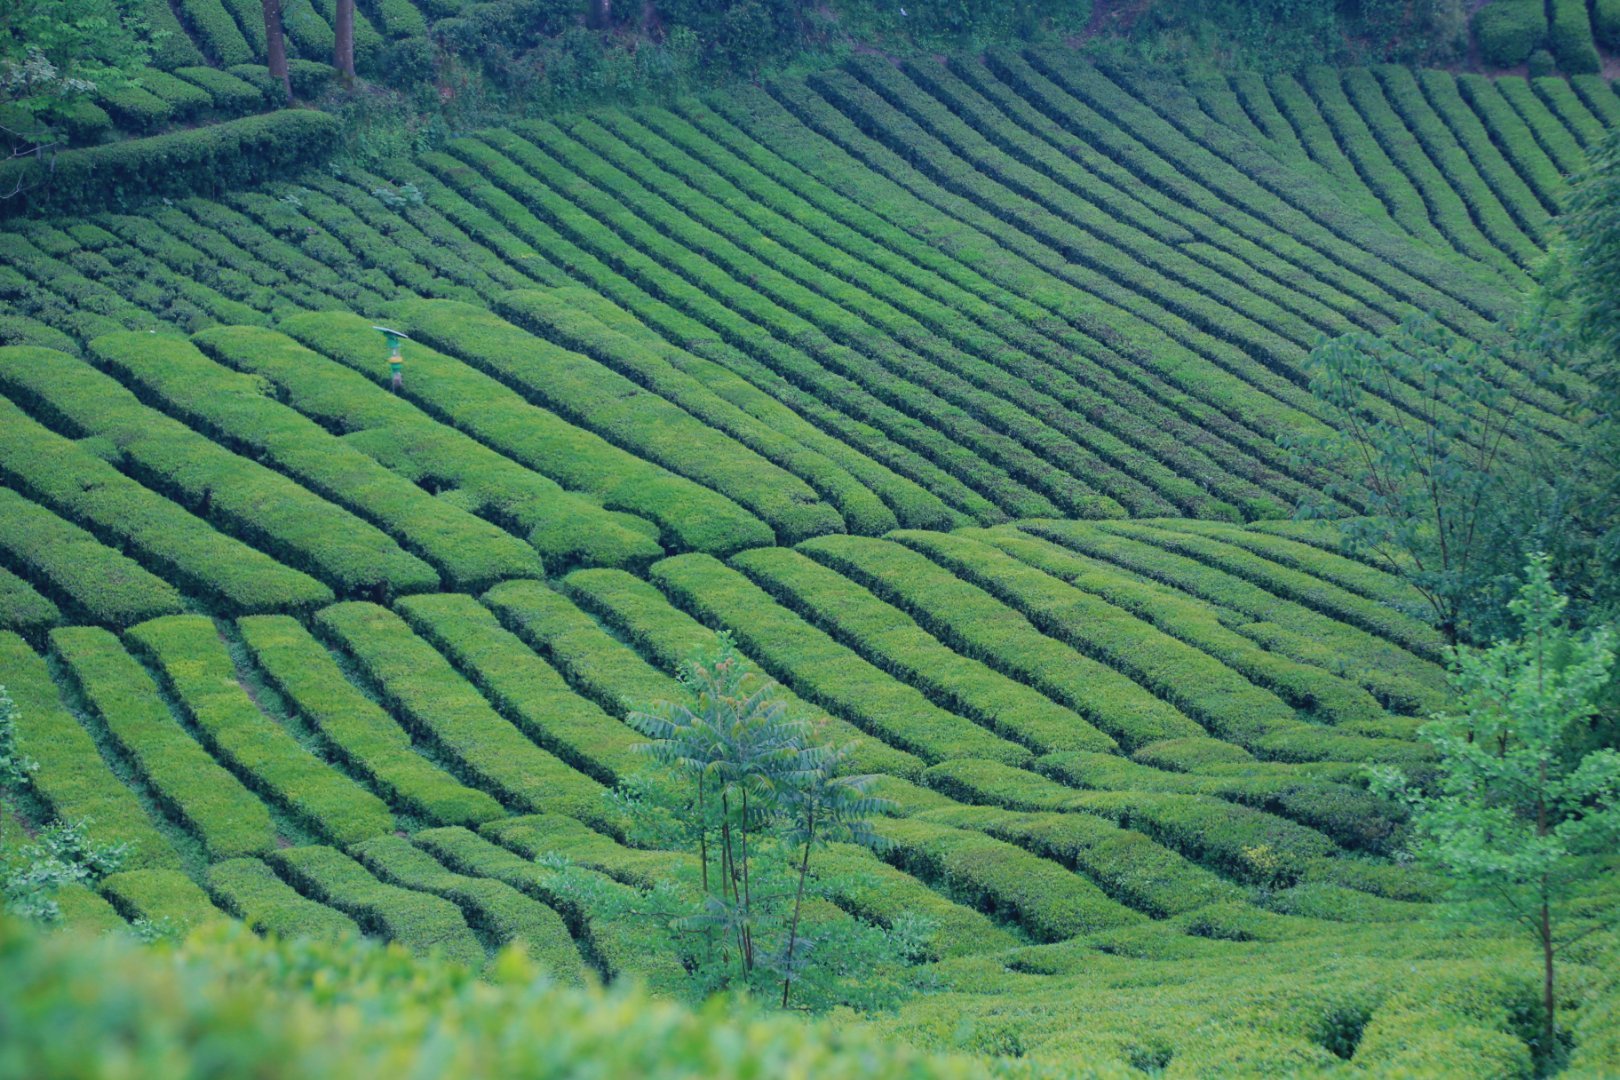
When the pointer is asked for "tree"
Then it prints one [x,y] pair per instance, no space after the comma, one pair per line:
[275,45]
[1582,290]
[827,805]
[757,795]
[1526,812]
[343,38]
[1430,447]
[53,52]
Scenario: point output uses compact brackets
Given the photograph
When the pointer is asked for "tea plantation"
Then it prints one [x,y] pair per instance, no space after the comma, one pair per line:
[952,388]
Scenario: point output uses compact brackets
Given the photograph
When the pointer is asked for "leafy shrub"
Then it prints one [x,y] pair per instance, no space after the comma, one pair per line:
[443,709]
[83,121]
[136,109]
[185,101]
[1541,64]
[1606,22]
[1571,38]
[216,31]
[161,898]
[231,95]
[1510,30]
[231,1002]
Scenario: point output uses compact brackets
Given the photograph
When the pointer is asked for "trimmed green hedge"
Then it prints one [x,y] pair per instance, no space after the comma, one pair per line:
[202,161]
[1560,97]
[502,914]
[585,322]
[866,887]
[22,610]
[565,527]
[961,299]
[1221,835]
[591,395]
[1512,135]
[523,687]
[441,707]
[358,731]
[1570,38]
[198,670]
[223,814]
[230,406]
[888,638]
[260,505]
[252,892]
[1508,31]
[617,947]
[534,835]
[462,397]
[1606,22]
[1129,866]
[85,911]
[423,924]
[976,624]
[1393,675]
[1050,902]
[73,781]
[823,671]
[216,31]
[231,96]
[670,637]
[1198,624]
[186,102]
[168,899]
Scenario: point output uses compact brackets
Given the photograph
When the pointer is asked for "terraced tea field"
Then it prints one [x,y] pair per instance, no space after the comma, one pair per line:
[953,390]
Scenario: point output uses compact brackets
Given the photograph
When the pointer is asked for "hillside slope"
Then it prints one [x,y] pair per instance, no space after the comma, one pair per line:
[952,390]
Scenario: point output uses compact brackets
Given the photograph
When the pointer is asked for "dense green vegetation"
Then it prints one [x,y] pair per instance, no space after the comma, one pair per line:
[1089,457]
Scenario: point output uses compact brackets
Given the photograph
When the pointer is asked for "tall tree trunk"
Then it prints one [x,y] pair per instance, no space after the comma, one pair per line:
[276,47]
[1549,1030]
[343,32]
[798,905]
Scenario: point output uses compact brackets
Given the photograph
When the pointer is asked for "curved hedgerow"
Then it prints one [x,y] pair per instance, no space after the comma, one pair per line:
[102,585]
[214,806]
[1508,31]
[422,923]
[184,549]
[167,899]
[23,610]
[588,393]
[820,669]
[72,780]
[256,503]
[449,714]
[887,637]
[669,637]
[196,668]
[356,730]
[495,909]
[249,890]
[523,687]
[975,623]
[564,527]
